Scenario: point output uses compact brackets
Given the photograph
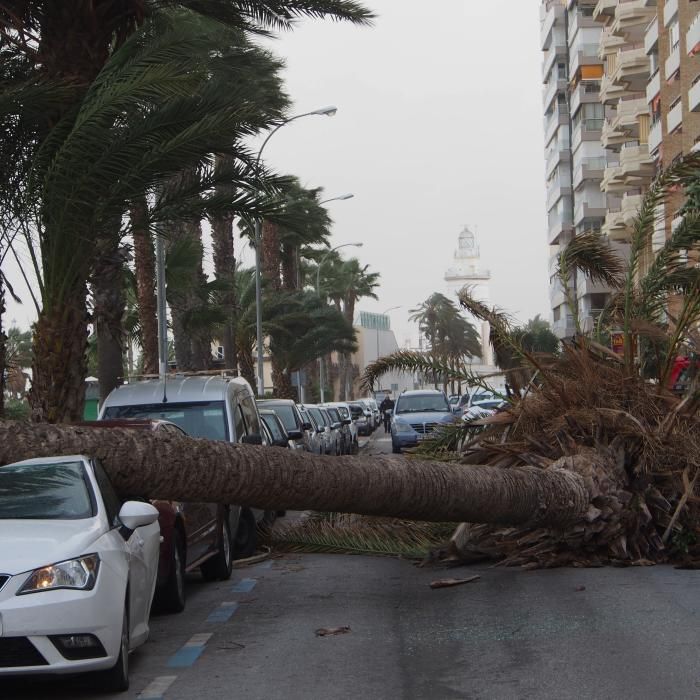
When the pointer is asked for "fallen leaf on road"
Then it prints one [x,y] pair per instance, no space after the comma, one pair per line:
[329,631]
[449,582]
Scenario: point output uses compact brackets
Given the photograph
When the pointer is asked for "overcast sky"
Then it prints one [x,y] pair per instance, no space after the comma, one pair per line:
[439,125]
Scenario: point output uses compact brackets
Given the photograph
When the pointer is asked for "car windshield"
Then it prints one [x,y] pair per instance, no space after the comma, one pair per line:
[318,417]
[422,403]
[47,491]
[333,413]
[273,426]
[286,415]
[202,419]
[344,414]
[356,410]
[483,396]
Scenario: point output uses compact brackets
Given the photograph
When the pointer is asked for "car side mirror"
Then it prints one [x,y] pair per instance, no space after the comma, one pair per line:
[306,426]
[295,434]
[135,514]
[335,426]
[281,442]
[346,421]
[321,429]
[252,439]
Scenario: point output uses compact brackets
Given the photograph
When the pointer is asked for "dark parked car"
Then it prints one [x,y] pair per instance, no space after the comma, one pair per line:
[277,435]
[294,423]
[190,532]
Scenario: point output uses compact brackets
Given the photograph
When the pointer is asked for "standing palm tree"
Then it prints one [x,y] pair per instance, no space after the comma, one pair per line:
[75,159]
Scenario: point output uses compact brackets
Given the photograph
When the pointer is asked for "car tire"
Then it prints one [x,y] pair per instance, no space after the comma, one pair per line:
[170,597]
[246,539]
[395,449]
[116,679]
[220,566]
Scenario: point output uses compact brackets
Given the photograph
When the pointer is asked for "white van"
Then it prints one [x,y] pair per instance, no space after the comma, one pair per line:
[216,408]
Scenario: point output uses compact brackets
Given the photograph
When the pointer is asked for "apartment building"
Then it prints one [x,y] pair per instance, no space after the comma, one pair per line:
[572,71]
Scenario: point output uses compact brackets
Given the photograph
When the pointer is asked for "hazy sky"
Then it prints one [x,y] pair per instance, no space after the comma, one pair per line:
[439,125]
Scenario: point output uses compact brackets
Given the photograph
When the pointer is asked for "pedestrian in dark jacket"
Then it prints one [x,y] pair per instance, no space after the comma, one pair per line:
[385,408]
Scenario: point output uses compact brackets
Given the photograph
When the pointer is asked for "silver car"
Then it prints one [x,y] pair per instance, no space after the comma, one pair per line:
[315,434]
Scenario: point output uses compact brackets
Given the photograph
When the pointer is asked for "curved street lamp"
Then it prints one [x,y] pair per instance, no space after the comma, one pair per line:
[323,111]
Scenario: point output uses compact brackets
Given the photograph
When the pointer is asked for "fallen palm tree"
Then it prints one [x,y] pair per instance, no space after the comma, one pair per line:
[592,462]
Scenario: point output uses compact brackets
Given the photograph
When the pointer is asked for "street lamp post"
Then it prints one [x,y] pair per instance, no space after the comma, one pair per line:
[318,293]
[391,308]
[324,111]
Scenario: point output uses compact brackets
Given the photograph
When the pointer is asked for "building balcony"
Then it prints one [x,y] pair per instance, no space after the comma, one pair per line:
[654,86]
[557,189]
[589,169]
[554,52]
[631,64]
[631,14]
[674,118]
[627,116]
[586,210]
[604,10]
[586,130]
[586,91]
[692,37]
[611,138]
[558,228]
[583,55]
[551,90]
[614,226]
[694,96]
[670,11]
[609,43]
[557,154]
[619,224]
[610,91]
[651,36]
[655,136]
[548,25]
[673,63]
[560,117]
[613,180]
[636,165]
[580,21]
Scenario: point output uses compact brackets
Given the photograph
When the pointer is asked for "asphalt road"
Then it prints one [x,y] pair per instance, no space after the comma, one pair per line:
[596,633]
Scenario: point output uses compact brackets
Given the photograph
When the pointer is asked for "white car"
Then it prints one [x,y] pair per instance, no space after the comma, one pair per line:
[77,570]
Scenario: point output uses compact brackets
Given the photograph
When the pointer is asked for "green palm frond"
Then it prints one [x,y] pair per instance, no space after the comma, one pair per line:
[343,534]
[591,254]
[423,363]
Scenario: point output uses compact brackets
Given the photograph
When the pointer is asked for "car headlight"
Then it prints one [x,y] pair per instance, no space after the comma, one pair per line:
[79,574]
[402,427]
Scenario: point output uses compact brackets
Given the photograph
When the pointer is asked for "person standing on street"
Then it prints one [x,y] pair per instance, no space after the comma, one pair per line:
[386,406]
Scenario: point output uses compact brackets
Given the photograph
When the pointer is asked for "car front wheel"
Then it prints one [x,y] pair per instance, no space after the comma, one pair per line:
[220,566]
[116,679]
[246,541]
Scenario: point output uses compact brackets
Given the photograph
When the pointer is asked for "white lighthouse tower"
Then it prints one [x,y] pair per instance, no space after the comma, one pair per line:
[466,271]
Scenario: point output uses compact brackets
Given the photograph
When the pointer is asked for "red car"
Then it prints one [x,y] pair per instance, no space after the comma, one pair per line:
[193,534]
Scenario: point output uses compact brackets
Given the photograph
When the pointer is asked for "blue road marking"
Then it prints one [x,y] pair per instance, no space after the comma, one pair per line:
[223,612]
[264,565]
[185,657]
[245,585]
[189,653]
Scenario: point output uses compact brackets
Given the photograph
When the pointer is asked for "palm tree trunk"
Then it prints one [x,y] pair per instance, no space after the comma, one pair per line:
[247,365]
[289,268]
[271,255]
[145,269]
[59,364]
[224,269]
[282,383]
[181,468]
[109,308]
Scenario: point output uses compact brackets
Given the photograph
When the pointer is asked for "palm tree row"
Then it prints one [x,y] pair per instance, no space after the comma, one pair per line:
[119,121]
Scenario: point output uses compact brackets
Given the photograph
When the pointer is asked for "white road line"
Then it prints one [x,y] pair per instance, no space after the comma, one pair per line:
[198,640]
[157,688]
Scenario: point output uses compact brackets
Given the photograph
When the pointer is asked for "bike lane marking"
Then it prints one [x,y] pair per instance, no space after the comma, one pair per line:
[190,652]
[245,585]
[157,688]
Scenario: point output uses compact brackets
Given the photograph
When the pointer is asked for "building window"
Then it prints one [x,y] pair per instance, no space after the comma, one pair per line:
[674,36]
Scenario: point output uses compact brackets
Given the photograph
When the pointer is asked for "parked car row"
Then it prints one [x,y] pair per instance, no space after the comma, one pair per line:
[81,566]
